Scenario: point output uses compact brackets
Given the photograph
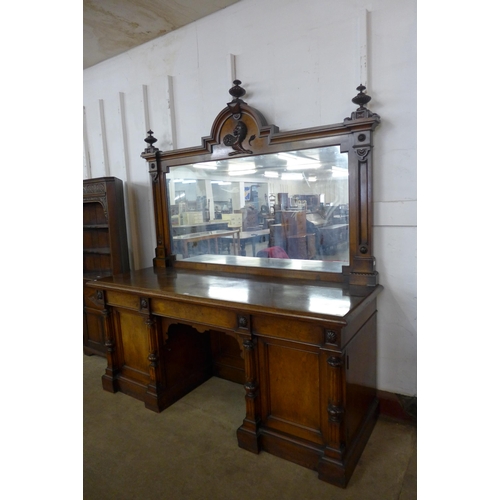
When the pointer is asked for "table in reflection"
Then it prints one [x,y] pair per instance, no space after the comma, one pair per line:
[209,236]
[253,237]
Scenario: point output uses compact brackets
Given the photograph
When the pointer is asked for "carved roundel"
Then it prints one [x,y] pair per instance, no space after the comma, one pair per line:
[331,336]
[243,322]
[144,304]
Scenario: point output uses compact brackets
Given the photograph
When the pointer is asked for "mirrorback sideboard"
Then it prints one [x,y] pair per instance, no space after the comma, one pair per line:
[262,277]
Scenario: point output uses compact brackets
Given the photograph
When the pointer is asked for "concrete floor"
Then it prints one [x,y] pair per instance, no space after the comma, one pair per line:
[190,452]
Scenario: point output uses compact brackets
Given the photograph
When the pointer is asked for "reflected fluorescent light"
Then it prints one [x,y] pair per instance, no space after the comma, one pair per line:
[184,181]
[237,167]
[286,156]
[300,166]
[298,162]
[242,172]
[269,173]
[180,196]
[296,157]
[291,176]
[209,165]
[221,183]
[312,178]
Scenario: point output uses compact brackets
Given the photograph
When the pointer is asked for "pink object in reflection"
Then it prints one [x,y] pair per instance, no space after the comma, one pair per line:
[273,253]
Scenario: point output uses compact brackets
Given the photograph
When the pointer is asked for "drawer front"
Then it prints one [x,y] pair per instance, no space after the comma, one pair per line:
[125,300]
[289,329]
[89,299]
[195,313]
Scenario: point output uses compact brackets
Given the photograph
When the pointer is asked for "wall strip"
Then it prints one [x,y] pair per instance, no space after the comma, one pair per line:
[104,139]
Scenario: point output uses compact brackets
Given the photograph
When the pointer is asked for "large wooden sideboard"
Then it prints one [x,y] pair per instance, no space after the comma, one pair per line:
[308,352]
[295,324]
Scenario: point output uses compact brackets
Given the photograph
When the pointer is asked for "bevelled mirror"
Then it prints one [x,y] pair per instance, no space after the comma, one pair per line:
[254,200]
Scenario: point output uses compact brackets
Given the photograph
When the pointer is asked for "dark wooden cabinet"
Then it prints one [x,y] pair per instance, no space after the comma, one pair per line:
[299,331]
[304,351]
[105,250]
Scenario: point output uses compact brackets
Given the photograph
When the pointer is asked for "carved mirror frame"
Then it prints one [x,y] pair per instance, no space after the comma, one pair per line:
[355,137]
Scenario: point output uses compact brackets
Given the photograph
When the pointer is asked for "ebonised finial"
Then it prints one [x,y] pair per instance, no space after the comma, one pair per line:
[150,140]
[361,99]
[236,91]
[362,112]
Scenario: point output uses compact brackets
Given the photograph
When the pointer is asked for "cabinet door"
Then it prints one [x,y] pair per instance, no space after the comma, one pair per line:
[290,388]
[132,345]
[93,325]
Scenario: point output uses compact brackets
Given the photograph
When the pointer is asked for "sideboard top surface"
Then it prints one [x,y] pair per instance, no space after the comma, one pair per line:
[300,298]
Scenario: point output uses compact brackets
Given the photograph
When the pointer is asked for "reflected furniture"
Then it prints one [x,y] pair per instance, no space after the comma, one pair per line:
[252,237]
[299,334]
[195,228]
[208,236]
[333,235]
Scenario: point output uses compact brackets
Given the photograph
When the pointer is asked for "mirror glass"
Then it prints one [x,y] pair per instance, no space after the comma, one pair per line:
[292,205]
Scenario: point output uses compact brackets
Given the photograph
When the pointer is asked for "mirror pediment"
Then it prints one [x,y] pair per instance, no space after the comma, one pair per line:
[253,200]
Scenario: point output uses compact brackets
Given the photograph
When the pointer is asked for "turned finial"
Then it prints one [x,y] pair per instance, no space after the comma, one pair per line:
[150,140]
[236,91]
[361,99]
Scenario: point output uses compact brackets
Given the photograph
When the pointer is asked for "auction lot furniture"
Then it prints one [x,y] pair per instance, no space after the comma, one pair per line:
[105,249]
[301,333]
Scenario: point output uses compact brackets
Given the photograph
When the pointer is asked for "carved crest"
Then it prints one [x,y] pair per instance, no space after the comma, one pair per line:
[235,140]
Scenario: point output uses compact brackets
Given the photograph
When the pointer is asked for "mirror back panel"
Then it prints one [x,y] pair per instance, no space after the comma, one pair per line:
[251,199]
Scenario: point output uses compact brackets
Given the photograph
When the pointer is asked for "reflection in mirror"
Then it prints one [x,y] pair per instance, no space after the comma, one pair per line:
[292,205]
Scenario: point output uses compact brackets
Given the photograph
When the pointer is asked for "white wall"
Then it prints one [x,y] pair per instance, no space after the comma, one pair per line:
[300,62]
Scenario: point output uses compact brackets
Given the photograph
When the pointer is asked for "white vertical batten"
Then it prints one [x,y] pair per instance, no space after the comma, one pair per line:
[86,151]
[231,67]
[171,110]
[145,102]
[104,138]
[123,122]
[145,99]
[131,218]
[363,46]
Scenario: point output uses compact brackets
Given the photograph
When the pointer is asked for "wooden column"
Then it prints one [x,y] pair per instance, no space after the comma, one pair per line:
[248,433]
[332,460]
[109,377]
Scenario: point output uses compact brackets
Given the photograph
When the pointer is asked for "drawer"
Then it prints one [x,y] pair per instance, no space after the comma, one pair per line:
[89,299]
[212,317]
[125,300]
[288,329]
